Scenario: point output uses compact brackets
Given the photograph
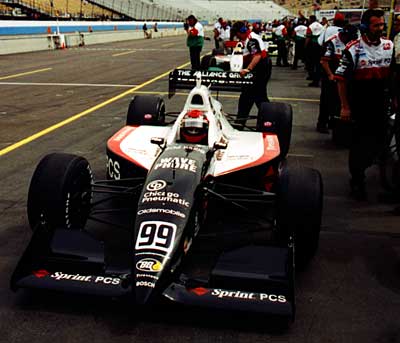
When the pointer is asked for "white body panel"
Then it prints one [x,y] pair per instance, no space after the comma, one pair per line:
[244,149]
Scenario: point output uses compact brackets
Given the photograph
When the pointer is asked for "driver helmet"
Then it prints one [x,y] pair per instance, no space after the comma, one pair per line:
[194,127]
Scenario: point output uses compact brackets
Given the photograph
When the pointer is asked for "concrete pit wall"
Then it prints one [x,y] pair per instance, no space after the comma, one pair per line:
[20,44]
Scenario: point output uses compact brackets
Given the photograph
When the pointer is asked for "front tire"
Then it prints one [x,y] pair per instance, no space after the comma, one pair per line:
[299,211]
[60,192]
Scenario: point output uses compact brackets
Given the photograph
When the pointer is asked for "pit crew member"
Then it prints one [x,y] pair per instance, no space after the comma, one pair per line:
[195,41]
[329,103]
[363,75]
[256,61]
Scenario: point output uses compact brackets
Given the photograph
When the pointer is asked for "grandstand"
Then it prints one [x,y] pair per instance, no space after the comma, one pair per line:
[311,5]
[172,10]
[144,10]
[59,9]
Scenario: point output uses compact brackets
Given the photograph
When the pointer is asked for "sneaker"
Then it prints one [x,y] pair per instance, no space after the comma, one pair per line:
[357,190]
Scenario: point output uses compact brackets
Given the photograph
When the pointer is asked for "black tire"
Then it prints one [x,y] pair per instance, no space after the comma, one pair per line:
[299,211]
[205,62]
[219,51]
[276,117]
[60,192]
[146,110]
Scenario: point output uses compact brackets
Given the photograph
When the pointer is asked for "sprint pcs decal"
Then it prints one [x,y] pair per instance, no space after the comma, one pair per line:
[156,235]
[181,163]
[78,278]
[224,294]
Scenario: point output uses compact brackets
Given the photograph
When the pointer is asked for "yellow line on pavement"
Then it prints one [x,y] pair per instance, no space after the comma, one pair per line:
[124,53]
[26,73]
[82,114]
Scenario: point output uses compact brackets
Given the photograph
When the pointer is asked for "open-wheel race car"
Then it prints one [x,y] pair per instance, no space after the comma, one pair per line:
[192,210]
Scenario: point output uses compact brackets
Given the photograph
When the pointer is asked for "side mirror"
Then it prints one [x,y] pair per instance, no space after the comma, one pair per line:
[220,146]
[159,141]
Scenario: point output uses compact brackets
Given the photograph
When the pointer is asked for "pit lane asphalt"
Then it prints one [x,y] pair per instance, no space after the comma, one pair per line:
[349,293]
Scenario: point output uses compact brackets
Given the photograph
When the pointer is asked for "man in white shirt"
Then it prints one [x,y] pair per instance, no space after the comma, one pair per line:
[299,33]
[313,51]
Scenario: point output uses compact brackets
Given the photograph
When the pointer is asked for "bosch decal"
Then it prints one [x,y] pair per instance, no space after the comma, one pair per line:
[149,265]
[156,235]
[145,284]
[156,185]
[181,163]
[161,211]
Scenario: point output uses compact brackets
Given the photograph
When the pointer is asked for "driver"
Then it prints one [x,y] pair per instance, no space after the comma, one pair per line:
[194,127]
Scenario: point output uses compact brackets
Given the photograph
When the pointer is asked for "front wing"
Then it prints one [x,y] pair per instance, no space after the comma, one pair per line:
[245,277]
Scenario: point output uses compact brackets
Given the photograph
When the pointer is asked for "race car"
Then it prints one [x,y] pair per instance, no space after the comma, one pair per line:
[228,58]
[193,210]
[270,43]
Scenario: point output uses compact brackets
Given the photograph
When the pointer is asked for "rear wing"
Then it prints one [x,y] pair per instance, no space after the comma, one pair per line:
[229,81]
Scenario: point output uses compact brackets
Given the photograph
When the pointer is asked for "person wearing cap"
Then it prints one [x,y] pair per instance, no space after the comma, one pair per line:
[313,51]
[329,103]
[195,40]
[363,76]
[255,61]
[330,30]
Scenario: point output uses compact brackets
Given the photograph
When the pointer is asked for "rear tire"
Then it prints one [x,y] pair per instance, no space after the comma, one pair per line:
[276,117]
[300,211]
[206,62]
[60,192]
[219,51]
[146,110]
